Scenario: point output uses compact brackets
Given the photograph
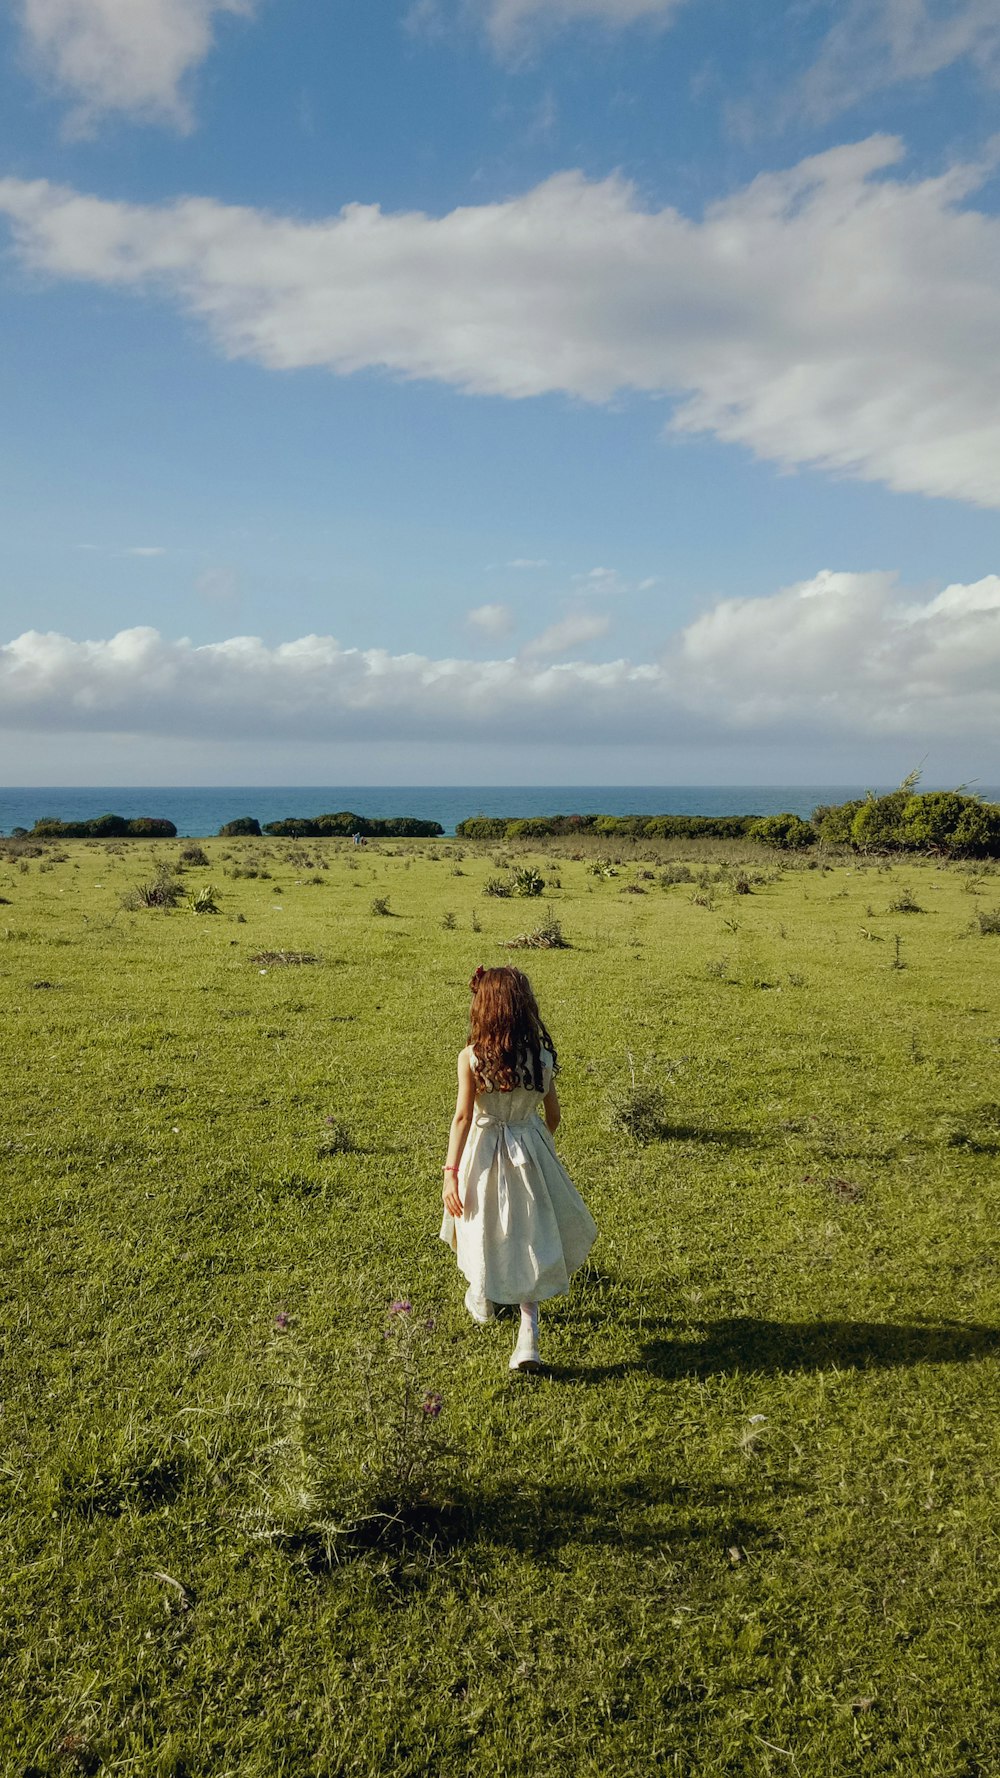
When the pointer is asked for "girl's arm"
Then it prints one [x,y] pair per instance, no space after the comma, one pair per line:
[551,1107]
[461,1124]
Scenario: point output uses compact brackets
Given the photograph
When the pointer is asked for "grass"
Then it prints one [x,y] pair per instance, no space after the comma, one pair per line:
[747,1522]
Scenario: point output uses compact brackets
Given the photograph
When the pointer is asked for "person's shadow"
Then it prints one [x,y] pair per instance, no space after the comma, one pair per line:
[744,1345]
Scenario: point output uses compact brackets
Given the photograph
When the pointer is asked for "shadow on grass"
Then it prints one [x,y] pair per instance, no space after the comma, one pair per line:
[669,1132]
[745,1346]
[642,1514]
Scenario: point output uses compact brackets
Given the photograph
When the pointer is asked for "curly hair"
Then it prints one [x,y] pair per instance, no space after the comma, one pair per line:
[506,1032]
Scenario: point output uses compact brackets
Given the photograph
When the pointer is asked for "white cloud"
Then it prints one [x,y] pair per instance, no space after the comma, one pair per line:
[880,43]
[508,20]
[568,632]
[123,55]
[493,620]
[600,580]
[528,562]
[835,315]
[146,549]
[844,658]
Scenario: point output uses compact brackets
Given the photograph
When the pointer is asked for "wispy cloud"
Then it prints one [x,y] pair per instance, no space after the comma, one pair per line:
[836,315]
[874,44]
[511,22]
[493,620]
[840,656]
[128,56]
[567,633]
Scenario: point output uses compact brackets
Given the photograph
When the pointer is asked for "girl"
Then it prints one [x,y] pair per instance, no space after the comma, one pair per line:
[512,1216]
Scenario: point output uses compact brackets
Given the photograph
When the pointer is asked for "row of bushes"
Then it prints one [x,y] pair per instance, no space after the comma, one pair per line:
[536,827]
[946,821]
[318,827]
[102,827]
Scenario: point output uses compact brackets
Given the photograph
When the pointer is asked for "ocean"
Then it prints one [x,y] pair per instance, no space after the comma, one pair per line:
[200,811]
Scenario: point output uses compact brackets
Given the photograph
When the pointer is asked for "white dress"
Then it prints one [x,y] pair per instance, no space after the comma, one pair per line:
[524,1227]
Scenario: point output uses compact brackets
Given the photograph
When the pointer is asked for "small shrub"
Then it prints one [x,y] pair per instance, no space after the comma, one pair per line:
[162,891]
[639,1111]
[338,1139]
[905,903]
[548,937]
[987,923]
[194,855]
[526,880]
[449,922]
[741,884]
[675,873]
[499,886]
[205,901]
[364,1461]
[380,905]
[476,923]
[718,969]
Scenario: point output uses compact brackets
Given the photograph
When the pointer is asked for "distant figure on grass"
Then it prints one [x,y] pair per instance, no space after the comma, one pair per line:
[512,1216]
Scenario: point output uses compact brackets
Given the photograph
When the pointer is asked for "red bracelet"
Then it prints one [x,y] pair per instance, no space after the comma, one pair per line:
[449,1169]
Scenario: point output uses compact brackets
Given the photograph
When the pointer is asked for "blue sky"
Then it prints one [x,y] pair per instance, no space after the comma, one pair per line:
[531,390]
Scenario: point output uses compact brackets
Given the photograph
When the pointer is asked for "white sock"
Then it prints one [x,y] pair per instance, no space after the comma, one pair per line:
[529,1319]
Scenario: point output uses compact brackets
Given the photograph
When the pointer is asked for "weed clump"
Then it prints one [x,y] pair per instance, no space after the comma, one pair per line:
[986,923]
[272,959]
[526,880]
[547,937]
[906,903]
[499,886]
[161,891]
[338,1139]
[195,855]
[395,1492]
[639,1111]
[380,906]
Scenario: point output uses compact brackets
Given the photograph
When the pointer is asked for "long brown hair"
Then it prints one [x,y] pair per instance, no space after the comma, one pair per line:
[506,1032]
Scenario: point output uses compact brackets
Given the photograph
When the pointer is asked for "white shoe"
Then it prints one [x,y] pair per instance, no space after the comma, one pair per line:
[479,1307]
[525,1355]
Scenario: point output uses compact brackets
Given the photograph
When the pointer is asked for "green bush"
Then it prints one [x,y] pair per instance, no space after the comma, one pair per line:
[482,827]
[341,825]
[244,827]
[878,824]
[977,833]
[105,827]
[788,832]
[833,821]
[527,881]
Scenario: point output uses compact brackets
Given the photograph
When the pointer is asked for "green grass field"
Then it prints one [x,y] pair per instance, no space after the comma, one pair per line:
[746,1524]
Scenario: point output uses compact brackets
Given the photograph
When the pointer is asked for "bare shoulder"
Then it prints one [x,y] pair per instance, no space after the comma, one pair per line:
[465,1059]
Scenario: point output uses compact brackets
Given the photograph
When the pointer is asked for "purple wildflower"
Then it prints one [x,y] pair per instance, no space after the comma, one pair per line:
[282,1319]
[400,1306]
[432,1404]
